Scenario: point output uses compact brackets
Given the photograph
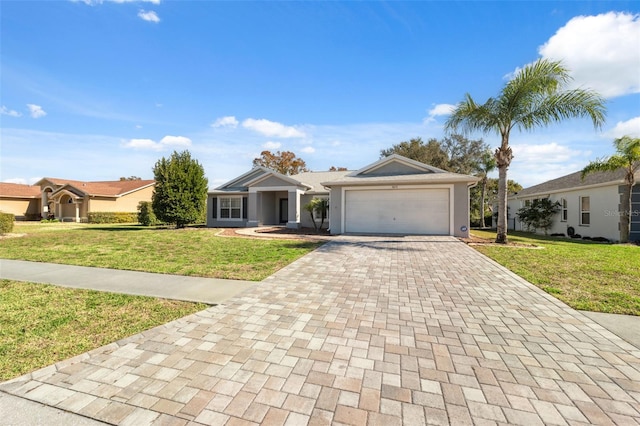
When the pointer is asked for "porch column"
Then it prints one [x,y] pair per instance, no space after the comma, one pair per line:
[294,209]
[253,205]
[44,208]
[77,211]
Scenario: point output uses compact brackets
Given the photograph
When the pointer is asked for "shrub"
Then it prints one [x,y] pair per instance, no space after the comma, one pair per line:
[146,216]
[112,217]
[539,214]
[6,222]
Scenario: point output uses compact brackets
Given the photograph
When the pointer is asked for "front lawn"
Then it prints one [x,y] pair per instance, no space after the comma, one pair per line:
[189,251]
[42,324]
[586,275]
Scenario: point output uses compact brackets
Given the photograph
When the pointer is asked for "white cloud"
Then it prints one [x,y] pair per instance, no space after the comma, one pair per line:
[141,144]
[11,113]
[600,51]
[175,141]
[272,128]
[166,142]
[149,16]
[308,150]
[271,145]
[439,110]
[626,128]
[536,163]
[228,121]
[36,111]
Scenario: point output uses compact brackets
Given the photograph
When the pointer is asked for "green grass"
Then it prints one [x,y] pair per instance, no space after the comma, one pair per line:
[189,251]
[585,275]
[42,324]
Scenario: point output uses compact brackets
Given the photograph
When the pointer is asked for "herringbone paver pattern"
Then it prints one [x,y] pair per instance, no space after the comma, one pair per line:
[364,331]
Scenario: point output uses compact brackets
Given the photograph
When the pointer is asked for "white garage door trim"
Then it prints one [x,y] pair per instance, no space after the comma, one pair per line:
[343,207]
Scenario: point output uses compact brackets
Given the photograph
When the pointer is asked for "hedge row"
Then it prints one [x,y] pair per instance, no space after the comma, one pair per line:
[6,222]
[112,217]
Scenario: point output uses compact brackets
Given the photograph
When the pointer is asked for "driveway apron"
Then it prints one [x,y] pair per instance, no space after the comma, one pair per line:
[364,330]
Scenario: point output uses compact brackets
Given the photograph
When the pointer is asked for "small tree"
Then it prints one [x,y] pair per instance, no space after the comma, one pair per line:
[310,207]
[321,208]
[284,162]
[146,217]
[539,214]
[317,207]
[486,165]
[180,194]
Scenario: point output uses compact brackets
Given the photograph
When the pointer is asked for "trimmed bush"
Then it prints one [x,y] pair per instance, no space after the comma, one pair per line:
[146,216]
[112,217]
[6,222]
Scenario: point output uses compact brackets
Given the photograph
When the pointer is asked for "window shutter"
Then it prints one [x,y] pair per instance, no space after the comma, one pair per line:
[244,207]
[215,207]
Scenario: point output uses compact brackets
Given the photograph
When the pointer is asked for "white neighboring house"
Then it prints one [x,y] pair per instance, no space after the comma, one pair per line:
[589,207]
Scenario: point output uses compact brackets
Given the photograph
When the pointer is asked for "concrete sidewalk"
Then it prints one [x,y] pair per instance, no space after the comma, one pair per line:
[193,289]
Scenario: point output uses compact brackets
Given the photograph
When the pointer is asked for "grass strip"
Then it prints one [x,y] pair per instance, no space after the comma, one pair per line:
[42,324]
[585,275]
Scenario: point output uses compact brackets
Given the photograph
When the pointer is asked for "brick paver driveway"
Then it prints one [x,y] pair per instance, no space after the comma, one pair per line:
[365,330]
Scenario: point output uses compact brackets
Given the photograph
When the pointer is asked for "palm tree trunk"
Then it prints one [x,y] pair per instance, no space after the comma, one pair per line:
[501,236]
[482,199]
[625,214]
[503,160]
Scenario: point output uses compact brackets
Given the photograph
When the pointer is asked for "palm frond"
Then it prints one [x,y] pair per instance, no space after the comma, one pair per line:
[610,164]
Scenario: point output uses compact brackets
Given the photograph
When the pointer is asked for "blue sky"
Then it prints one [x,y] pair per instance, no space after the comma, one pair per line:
[97,89]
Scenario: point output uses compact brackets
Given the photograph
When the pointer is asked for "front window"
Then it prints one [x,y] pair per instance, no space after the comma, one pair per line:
[585,211]
[565,210]
[230,207]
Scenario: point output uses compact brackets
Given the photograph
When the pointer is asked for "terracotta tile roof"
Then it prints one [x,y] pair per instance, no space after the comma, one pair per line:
[574,180]
[105,188]
[16,190]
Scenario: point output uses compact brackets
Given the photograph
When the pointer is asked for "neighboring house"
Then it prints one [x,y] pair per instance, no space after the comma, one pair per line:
[72,200]
[589,207]
[394,195]
[23,201]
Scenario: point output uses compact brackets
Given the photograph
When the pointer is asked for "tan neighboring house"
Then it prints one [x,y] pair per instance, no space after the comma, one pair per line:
[23,201]
[72,200]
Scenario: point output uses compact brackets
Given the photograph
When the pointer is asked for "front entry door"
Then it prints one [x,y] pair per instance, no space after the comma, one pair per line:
[284,210]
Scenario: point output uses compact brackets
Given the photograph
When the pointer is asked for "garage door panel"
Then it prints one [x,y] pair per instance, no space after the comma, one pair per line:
[402,211]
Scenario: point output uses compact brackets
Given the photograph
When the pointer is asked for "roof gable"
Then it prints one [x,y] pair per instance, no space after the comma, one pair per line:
[240,183]
[395,165]
[260,177]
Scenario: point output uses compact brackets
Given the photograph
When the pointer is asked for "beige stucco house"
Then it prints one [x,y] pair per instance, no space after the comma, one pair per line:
[589,207]
[23,201]
[72,200]
[394,195]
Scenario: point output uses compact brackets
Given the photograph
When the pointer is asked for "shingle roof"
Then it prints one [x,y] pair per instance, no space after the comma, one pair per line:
[574,180]
[315,179]
[104,188]
[16,190]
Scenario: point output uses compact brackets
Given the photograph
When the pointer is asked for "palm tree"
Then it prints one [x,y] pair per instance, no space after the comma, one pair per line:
[535,97]
[627,157]
[486,165]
